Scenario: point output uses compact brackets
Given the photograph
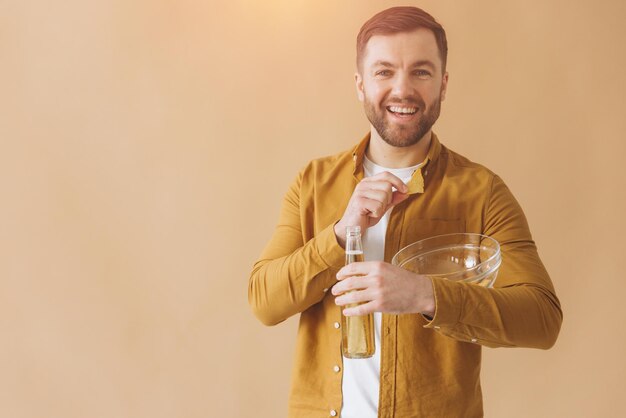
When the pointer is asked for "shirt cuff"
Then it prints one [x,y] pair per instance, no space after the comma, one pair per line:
[329,250]
[448,303]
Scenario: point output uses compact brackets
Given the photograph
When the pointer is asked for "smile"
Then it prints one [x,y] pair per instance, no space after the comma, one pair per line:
[402,110]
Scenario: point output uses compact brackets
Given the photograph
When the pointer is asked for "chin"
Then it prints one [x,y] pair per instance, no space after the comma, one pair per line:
[401,140]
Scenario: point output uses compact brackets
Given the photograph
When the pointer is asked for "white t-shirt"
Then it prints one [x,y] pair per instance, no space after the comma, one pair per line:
[361,377]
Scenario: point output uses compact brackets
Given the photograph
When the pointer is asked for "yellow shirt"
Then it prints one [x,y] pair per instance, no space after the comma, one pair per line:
[429,368]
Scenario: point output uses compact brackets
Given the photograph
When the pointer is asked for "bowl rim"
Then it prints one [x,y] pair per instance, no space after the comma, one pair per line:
[495,255]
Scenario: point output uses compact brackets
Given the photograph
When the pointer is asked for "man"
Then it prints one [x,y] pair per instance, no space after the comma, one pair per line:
[399,184]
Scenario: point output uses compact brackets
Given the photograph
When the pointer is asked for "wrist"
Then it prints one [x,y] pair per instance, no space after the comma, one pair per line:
[340,234]
[428,304]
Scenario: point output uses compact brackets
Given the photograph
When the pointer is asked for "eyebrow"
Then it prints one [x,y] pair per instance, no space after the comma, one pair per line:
[420,63]
[381,63]
[424,63]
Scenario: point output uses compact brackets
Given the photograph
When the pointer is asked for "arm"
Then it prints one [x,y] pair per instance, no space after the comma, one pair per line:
[522,310]
[291,274]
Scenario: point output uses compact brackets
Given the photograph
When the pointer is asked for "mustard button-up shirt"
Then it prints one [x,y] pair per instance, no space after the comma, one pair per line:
[429,367]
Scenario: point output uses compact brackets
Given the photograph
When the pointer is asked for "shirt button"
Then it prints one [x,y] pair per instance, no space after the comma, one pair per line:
[333,413]
[474,340]
[336,368]
[325,290]
[337,325]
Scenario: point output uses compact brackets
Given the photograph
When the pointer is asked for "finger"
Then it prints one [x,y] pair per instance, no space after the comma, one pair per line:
[370,207]
[355,296]
[363,309]
[390,178]
[382,185]
[398,197]
[351,283]
[360,268]
[383,196]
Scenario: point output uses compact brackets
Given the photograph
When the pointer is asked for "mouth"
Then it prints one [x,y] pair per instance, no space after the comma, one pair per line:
[402,112]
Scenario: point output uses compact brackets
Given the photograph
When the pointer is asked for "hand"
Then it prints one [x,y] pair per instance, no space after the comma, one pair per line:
[371,199]
[383,287]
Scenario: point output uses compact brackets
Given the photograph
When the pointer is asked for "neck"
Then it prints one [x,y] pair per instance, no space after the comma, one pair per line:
[385,155]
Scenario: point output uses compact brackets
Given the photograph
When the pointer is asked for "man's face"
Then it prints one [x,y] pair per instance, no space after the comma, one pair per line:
[401,85]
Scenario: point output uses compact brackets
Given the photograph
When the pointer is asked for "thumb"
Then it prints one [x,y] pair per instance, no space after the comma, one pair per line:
[398,197]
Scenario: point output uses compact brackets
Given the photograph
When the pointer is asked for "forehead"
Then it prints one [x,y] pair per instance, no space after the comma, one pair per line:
[402,49]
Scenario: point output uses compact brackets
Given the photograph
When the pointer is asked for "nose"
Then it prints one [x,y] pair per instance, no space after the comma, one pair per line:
[402,86]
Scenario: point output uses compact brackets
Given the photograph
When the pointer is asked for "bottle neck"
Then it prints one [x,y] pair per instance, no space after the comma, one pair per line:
[353,240]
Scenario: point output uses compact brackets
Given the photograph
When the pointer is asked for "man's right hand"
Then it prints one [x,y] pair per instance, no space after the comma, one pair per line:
[372,198]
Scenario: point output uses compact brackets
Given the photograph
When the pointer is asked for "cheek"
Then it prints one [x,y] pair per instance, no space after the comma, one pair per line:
[373,92]
[433,92]
[426,96]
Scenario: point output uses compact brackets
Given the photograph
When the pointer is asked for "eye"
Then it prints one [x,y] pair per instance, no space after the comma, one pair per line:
[422,73]
[383,73]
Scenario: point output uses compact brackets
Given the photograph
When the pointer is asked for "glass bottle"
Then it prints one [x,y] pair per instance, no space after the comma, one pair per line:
[357,331]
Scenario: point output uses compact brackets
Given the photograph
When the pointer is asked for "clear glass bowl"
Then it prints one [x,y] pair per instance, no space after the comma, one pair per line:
[468,258]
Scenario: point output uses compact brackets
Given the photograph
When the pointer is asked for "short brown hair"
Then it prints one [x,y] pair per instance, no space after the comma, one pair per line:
[397,20]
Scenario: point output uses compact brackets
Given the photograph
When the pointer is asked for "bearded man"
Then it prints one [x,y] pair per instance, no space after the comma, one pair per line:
[399,185]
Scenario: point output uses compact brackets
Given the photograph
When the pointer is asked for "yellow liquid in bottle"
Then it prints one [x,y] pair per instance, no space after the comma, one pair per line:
[357,331]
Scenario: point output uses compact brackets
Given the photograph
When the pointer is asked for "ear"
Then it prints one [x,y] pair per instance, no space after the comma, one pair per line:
[444,86]
[358,80]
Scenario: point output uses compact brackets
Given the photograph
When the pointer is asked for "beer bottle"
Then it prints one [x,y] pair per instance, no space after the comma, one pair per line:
[357,331]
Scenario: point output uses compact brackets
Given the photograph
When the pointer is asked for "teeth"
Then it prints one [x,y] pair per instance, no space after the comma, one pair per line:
[407,110]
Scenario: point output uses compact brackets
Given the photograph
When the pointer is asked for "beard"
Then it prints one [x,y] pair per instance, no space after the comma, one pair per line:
[403,135]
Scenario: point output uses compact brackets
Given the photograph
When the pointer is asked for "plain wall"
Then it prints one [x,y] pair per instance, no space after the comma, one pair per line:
[145,149]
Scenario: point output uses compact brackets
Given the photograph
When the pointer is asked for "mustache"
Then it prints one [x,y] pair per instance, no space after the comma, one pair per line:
[409,101]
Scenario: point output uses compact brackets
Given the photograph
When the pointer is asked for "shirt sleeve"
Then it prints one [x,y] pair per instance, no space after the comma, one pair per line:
[291,275]
[522,310]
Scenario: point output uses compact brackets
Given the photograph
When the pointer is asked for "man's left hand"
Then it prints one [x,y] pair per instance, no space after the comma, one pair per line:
[383,287]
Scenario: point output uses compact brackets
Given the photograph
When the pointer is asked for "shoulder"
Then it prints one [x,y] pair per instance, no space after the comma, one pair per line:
[456,160]
[455,164]
[330,161]
[326,168]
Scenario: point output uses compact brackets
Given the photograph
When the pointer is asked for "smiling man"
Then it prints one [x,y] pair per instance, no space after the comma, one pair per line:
[400,185]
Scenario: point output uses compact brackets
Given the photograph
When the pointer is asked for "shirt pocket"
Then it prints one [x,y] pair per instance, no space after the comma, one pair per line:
[418,229]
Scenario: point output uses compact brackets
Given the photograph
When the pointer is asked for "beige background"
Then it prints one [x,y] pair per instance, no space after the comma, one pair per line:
[146,146]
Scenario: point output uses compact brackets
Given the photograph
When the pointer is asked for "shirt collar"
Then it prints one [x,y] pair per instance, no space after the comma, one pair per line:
[416,184]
